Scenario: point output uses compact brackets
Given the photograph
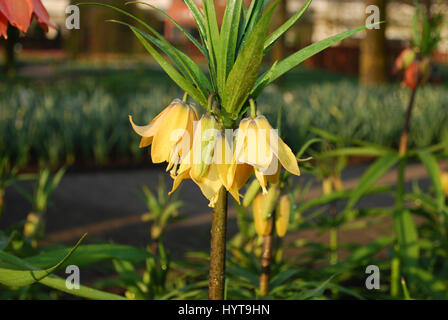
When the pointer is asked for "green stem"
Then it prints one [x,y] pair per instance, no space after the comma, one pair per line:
[253,108]
[399,199]
[395,273]
[185,97]
[218,248]
[333,245]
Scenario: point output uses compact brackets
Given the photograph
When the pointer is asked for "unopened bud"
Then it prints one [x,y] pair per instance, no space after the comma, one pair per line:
[251,193]
[282,215]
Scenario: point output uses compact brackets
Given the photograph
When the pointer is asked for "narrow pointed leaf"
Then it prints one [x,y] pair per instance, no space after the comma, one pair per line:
[273,37]
[228,41]
[244,72]
[297,58]
[183,83]
[375,171]
[13,277]
[178,26]
[407,238]
[433,169]
[189,69]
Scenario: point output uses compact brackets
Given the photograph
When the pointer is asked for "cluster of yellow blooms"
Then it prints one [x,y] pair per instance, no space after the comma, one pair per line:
[179,138]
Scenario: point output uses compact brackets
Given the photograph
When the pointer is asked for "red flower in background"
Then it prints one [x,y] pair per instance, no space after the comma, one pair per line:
[412,76]
[19,14]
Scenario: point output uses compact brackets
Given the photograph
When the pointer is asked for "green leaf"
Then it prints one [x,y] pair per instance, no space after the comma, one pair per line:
[228,41]
[178,26]
[183,83]
[183,62]
[316,292]
[428,281]
[197,15]
[356,151]
[88,254]
[433,169]
[407,238]
[297,58]
[372,174]
[212,36]
[83,291]
[274,36]
[18,278]
[282,277]
[362,253]
[244,72]
[189,69]
[338,195]
[252,17]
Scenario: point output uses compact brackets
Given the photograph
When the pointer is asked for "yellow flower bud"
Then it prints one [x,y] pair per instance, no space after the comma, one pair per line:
[282,214]
[444,181]
[263,207]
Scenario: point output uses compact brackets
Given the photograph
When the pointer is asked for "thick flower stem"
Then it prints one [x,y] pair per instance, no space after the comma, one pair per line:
[399,199]
[266,264]
[218,248]
[407,125]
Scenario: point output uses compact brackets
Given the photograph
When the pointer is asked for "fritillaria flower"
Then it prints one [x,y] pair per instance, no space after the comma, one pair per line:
[19,14]
[259,146]
[208,161]
[170,134]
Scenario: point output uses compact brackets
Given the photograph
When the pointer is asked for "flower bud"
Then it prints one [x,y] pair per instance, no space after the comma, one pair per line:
[444,181]
[263,207]
[282,215]
[251,193]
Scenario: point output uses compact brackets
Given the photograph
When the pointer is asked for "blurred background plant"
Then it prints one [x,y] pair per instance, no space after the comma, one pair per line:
[347,211]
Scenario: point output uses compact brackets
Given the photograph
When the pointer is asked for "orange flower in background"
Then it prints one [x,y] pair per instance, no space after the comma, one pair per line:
[412,76]
[19,13]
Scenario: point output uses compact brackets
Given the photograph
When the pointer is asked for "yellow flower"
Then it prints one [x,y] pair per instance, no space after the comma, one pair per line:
[170,133]
[201,162]
[259,146]
[444,181]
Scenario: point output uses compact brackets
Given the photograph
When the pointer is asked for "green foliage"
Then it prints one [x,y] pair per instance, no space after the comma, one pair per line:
[426,31]
[92,126]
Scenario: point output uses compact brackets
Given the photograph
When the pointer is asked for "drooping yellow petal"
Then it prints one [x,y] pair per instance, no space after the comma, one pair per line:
[287,158]
[209,184]
[242,174]
[222,158]
[279,148]
[178,179]
[145,142]
[171,130]
[261,180]
[150,129]
[275,178]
